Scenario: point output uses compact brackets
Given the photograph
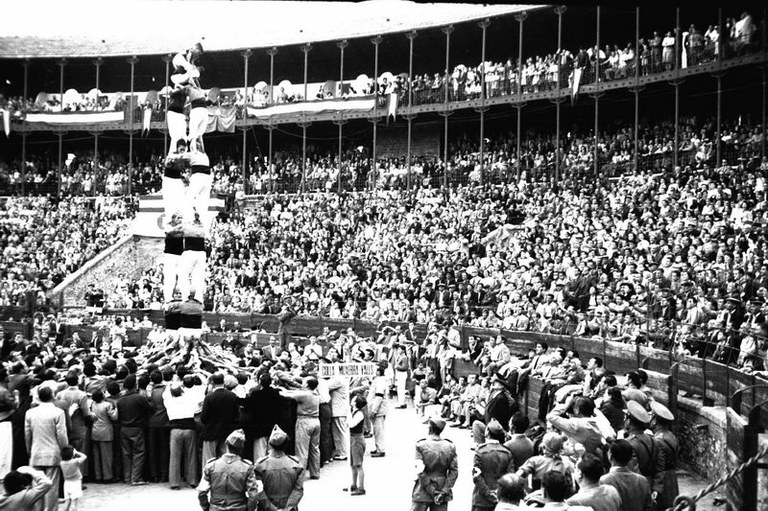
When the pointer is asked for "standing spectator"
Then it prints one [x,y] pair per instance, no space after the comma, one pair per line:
[158,431]
[519,445]
[71,470]
[180,405]
[339,405]
[436,470]
[133,410]
[102,437]
[45,432]
[665,483]
[633,488]
[260,415]
[600,497]
[378,410]
[281,474]
[76,402]
[401,375]
[20,492]
[646,459]
[307,425]
[357,446]
[492,460]
[220,417]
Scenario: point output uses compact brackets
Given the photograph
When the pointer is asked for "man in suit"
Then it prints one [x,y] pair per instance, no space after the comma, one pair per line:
[220,417]
[519,445]
[260,415]
[271,352]
[500,406]
[133,410]
[633,488]
[492,460]
[45,433]
[76,401]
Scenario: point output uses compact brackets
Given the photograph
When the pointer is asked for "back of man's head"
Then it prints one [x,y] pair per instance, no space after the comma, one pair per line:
[510,489]
[130,382]
[519,423]
[72,379]
[591,468]
[311,383]
[555,486]
[265,380]
[621,452]
[16,481]
[217,379]
[45,394]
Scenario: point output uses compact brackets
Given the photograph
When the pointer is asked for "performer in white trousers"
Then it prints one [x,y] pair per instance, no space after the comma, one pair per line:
[174,247]
[198,118]
[199,190]
[192,271]
[173,190]
[185,68]
[175,119]
[172,313]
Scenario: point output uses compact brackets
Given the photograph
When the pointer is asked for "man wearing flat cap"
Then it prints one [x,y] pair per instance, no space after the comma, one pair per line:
[229,482]
[281,474]
[665,482]
[492,460]
[436,470]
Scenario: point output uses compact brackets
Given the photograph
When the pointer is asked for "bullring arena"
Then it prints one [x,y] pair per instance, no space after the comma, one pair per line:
[383,255]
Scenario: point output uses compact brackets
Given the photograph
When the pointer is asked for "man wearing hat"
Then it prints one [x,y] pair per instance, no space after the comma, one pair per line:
[665,483]
[492,460]
[501,406]
[281,474]
[645,460]
[437,470]
[229,483]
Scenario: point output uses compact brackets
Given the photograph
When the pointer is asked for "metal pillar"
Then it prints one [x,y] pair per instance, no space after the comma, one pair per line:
[376,41]
[447,31]
[246,55]
[340,123]
[271,52]
[636,90]
[305,49]
[167,59]
[677,87]
[98,61]
[597,96]
[271,174]
[765,86]
[411,36]
[559,10]
[719,116]
[61,63]
[132,61]
[483,25]
[60,164]
[519,103]
[23,169]
[303,126]
[341,44]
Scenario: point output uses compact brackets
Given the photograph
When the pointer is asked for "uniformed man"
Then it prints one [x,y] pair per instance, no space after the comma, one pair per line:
[281,475]
[436,470]
[492,460]
[645,459]
[229,482]
[665,482]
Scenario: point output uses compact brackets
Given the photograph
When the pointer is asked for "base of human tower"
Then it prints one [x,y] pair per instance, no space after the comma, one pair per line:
[194,354]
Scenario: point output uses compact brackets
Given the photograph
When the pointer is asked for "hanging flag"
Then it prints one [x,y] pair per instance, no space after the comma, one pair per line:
[147,111]
[6,121]
[575,85]
[392,106]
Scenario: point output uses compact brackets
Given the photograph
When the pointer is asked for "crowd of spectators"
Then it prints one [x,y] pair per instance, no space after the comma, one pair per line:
[44,240]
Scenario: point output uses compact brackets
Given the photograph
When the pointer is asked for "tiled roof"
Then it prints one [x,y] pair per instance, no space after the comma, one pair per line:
[143,27]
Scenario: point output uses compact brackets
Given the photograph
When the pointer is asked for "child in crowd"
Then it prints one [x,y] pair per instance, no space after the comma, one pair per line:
[357,445]
[71,461]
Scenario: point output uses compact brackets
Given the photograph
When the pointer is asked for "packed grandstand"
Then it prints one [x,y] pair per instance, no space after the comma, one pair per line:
[642,229]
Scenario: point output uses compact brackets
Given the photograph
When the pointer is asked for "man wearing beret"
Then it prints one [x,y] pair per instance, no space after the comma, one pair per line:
[281,474]
[229,482]
[492,460]
[436,470]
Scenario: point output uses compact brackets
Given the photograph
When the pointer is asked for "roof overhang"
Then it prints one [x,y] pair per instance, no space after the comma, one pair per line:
[88,28]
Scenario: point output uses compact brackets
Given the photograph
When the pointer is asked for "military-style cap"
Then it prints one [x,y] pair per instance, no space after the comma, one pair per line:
[659,410]
[437,423]
[494,427]
[236,439]
[278,437]
[637,411]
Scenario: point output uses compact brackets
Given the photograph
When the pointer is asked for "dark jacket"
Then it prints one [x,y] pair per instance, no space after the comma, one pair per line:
[493,460]
[220,416]
[159,418]
[501,407]
[261,409]
[133,410]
